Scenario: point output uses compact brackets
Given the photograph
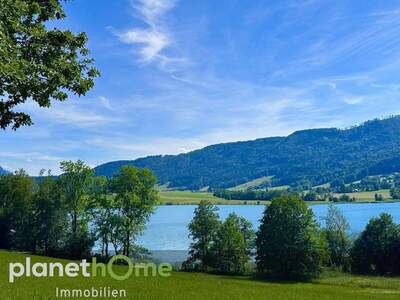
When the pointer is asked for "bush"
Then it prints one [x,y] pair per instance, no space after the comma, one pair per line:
[289,243]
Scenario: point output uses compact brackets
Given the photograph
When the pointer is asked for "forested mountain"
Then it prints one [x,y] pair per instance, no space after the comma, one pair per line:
[314,156]
[3,172]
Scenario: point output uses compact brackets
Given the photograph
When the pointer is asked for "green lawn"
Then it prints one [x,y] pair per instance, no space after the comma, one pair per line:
[199,286]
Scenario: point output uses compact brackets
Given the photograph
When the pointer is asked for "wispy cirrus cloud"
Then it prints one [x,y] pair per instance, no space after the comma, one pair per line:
[155,38]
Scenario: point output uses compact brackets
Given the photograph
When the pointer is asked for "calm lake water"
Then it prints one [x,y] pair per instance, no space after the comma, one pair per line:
[167,229]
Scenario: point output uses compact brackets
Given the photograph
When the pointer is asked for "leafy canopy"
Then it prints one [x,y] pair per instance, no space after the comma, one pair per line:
[377,249]
[289,244]
[38,63]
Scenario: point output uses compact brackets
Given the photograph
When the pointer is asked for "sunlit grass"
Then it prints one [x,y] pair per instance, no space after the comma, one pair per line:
[182,285]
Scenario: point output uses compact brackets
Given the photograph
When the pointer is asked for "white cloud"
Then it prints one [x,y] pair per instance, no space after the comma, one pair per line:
[74,116]
[105,102]
[354,100]
[156,37]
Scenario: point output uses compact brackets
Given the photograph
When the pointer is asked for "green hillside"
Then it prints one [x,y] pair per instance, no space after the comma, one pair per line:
[198,286]
[315,157]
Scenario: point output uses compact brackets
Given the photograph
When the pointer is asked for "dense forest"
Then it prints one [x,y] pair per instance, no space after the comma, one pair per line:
[307,157]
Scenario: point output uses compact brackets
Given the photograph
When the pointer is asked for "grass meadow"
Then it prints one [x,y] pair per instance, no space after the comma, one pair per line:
[195,286]
[188,197]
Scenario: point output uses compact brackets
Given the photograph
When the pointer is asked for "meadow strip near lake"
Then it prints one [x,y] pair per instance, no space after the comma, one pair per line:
[194,198]
[182,285]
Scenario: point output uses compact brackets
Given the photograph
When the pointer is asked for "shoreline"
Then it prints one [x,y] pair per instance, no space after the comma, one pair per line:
[254,202]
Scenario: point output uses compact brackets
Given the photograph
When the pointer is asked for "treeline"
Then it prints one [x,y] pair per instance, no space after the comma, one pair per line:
[249,194]
[65,216]
[289,244]
[267,195]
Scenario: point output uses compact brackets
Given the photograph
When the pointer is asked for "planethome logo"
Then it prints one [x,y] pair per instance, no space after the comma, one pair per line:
[86,269]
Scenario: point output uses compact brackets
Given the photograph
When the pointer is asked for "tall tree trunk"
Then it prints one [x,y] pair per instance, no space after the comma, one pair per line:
[128,233]
[74,222]
[106,250]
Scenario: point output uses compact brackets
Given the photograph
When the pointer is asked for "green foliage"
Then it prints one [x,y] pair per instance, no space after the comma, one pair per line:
[76,180]
[52,215]
[377,249]
[230,248]
[338,240]
[289,244]
[49,217]
[395,193]
[310,196]
[303,159]
[16,202]
[38,63]
[224,247]
[203,229]
[135,200]
[248,194]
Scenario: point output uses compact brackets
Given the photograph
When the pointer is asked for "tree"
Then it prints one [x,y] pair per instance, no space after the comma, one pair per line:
[103,214]
[38,63]
[289,244]
[16,200]
[230,247]
[203,229]
[233,245]
[395,193]
[246,228]
[310,196]
[75,183]
[377,249]
[49,217]
[135,201]
[339,243]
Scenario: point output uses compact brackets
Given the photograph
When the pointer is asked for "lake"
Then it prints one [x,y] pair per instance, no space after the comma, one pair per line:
[167,229]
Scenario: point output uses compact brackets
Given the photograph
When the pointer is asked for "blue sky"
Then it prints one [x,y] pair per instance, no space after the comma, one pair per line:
[180,75]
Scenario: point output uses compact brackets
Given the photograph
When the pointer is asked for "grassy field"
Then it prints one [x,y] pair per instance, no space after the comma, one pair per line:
[198,286]
[369,196]
[252,183]
[187,197]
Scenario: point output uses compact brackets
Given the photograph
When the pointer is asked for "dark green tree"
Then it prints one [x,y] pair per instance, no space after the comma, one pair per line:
[49,217]
[16,202]
[38,63]
[289,244]
[203,229]
[377,249]
[395,193]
